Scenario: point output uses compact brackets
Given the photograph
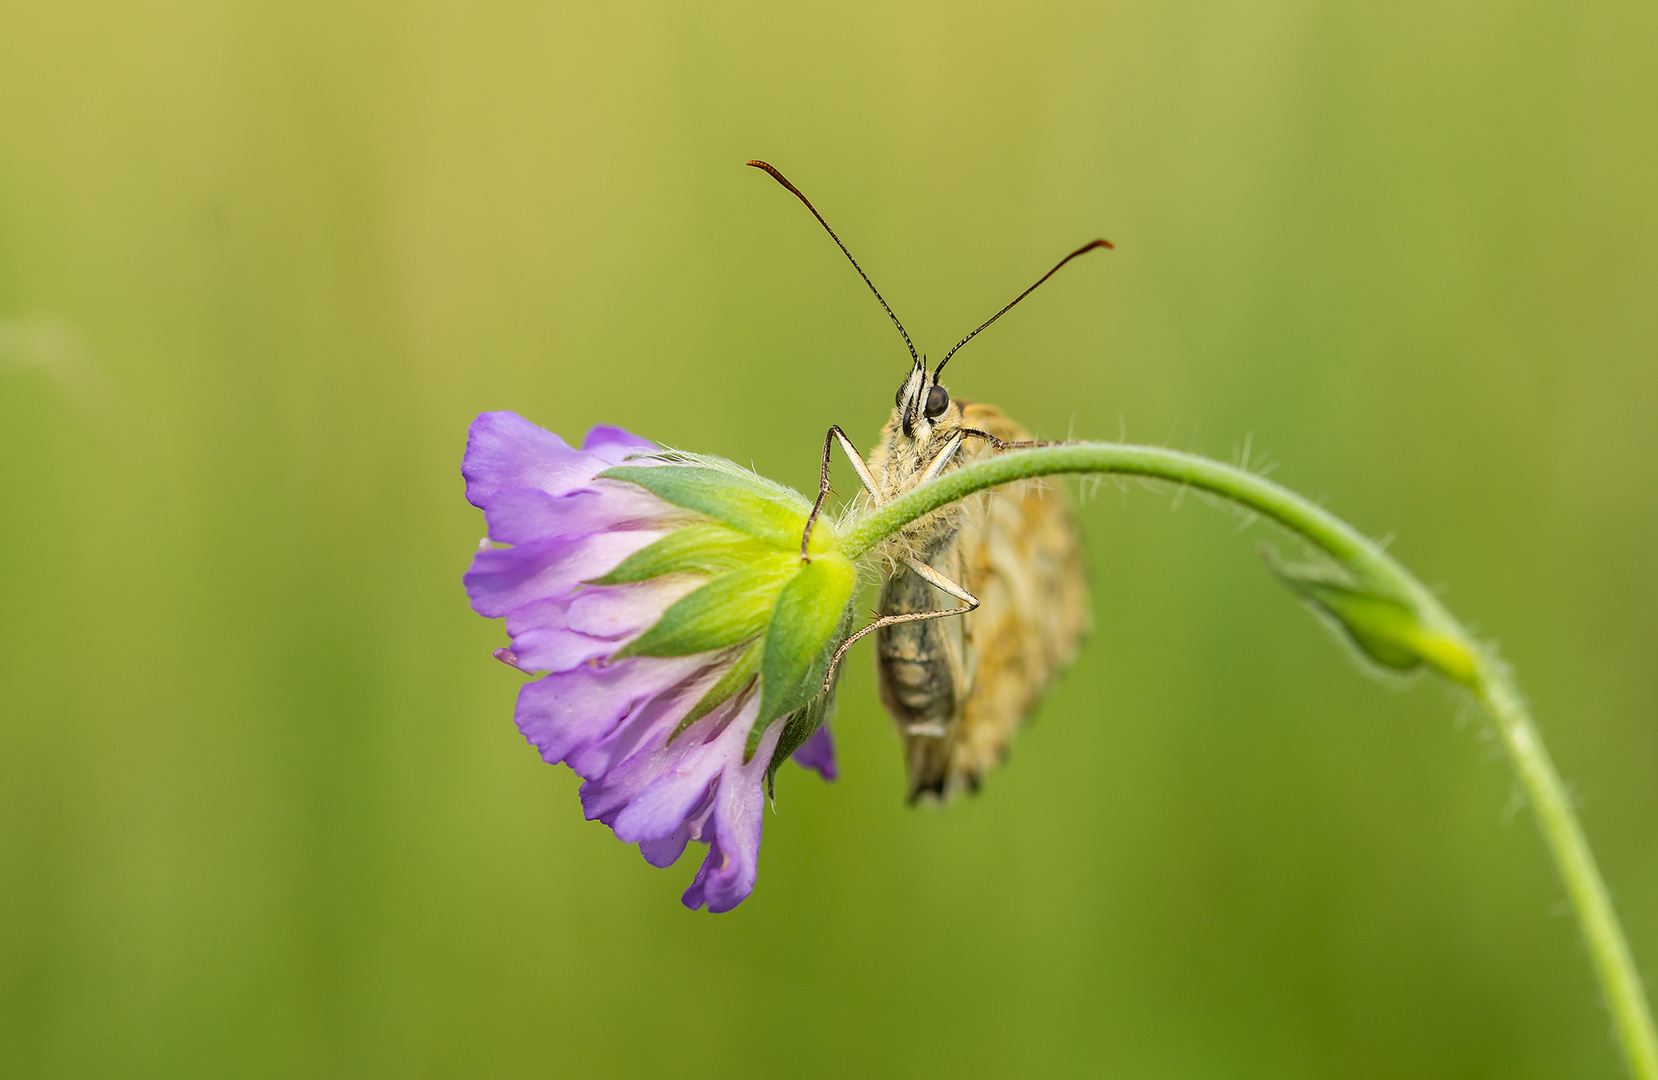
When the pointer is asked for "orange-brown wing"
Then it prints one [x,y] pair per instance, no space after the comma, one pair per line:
[1023,559]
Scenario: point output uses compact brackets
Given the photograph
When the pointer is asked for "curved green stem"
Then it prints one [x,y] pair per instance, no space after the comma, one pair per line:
[1391,616]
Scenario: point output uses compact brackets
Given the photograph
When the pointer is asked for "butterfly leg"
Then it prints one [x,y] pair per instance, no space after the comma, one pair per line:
[868,481]
[940,461]
[931,576]
[944,456]
[1003,444]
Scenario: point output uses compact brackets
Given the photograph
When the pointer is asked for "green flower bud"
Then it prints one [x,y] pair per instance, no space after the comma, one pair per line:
[1386,630]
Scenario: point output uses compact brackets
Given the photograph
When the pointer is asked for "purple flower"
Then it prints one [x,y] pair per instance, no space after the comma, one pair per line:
[648,597]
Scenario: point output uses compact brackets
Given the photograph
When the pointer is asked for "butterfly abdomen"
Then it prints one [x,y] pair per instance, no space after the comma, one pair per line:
[922,678]
[958,688]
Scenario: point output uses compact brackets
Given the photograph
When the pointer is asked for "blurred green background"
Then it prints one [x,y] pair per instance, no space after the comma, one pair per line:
[263,811]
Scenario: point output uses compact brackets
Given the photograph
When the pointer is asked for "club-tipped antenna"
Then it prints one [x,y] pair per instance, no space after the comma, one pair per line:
[781,179]
[1083,250]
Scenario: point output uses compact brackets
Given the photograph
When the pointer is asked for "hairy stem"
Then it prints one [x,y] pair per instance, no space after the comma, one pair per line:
[1563,834]
[1433,637]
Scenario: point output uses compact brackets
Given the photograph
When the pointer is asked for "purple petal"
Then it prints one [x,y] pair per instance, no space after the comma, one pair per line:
[727,875]
[507,578]
[666,851]
[510,658]
[637,750]
[567,710]
[506,451]
[662,809]
[818,752]
[620,611]
[529,515]
[614,444]
[543,641]
[651,793]
[560,633]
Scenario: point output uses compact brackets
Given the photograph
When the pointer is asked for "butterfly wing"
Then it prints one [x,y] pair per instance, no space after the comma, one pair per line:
[1022,558]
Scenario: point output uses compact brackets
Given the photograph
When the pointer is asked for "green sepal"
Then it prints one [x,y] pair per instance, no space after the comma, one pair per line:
[745,501]
[798,726]
[707,548]
[735,680]
[731,608]
[806,627]
[1385,629]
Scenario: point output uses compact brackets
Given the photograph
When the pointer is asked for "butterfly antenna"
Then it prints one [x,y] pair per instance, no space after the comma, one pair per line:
[1083,250]
[781,179]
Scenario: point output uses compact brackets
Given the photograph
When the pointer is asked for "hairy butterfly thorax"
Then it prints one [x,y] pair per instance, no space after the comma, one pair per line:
[984,601]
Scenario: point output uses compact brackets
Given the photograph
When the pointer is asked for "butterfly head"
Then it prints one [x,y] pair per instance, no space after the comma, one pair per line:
[922,405]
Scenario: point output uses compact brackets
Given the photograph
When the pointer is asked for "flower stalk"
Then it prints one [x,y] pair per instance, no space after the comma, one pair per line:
[1388,615]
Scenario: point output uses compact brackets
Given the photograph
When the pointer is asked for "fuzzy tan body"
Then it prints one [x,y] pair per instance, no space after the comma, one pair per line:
[959,687]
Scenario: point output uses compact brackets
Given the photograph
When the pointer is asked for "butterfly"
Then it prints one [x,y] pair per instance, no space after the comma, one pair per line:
[985,601]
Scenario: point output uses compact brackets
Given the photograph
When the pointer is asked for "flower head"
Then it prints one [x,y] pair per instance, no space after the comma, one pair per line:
[683,637]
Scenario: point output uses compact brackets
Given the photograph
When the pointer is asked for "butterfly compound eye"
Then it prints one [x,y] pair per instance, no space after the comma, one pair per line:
[938,399]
